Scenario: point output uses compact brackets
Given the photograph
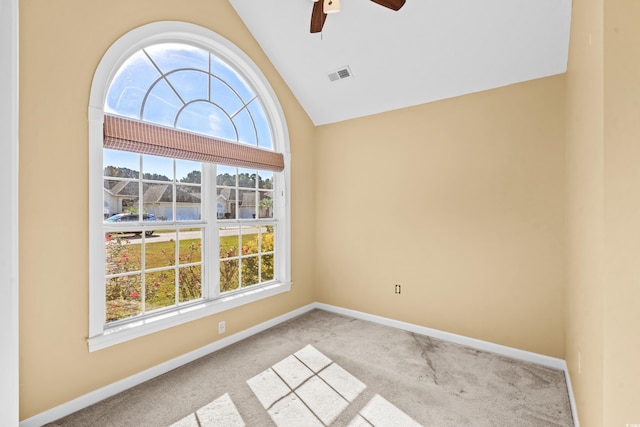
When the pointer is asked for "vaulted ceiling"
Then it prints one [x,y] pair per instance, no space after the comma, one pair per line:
[427,51]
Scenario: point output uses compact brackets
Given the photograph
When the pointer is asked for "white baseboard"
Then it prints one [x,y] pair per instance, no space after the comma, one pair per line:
[572,397]
[126,383]
[514,353]
[119,386]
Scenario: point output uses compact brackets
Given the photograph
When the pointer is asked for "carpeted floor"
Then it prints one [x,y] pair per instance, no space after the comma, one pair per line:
[326,369]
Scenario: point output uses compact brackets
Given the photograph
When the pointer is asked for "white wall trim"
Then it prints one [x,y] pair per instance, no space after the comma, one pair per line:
[126,383]
[572,397]
[9,332]
[119,386]
[514,353]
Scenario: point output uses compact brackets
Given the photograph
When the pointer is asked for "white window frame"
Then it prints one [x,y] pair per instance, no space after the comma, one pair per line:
[100,334]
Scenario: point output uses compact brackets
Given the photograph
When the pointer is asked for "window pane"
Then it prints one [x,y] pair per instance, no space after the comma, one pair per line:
[226,203]
[207,119]
[265,180]
[229,241]
[262,125]
[226,175]
[190,279]
[267,268]
[160,253]
[250,238]
[188,171]
[157,168]
[228,275]
[160,289]
[158,201]
[162,105]
[265,205]
[190,246]
[188,202]
[170,56]
[223,71]
[121,164]
[158,198]
[123,297]
[246,129]
[247,178]
[119,197]
[224,97]
[130,85]
[226,197]
[250,271]
[267,239]
[122,254]
[190,84]
[247,204]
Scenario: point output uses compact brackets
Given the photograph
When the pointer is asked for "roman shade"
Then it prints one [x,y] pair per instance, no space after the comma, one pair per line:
[133,135]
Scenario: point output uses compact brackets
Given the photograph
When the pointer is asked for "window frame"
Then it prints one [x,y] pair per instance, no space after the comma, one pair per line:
[102,335]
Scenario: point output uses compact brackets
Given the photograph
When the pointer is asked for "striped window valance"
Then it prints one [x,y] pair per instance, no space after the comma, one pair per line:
[146,138]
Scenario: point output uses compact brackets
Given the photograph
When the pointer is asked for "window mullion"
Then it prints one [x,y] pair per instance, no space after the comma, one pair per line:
[239,249]
[176,266]
[143,274]
[174,193]
[143,278]
[259,254]
[211,252]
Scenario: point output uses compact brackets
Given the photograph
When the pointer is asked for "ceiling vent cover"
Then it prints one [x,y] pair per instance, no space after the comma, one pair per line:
[341,74]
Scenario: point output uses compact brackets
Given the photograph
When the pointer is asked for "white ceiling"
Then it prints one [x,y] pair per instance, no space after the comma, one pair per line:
[426,51]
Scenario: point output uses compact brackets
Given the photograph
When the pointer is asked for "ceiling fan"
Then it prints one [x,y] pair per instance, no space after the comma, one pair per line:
[322,7]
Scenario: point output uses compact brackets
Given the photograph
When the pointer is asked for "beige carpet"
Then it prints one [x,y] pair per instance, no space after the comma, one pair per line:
[324,369]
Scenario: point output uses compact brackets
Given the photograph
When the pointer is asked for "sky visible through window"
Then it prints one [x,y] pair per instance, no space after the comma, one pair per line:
[188,88]
[162,166]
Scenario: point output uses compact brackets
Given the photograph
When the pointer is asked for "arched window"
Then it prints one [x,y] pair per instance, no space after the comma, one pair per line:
[189,174]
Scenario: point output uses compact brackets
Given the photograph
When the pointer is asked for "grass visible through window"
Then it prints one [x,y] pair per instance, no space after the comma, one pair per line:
[249,264]
[124,259]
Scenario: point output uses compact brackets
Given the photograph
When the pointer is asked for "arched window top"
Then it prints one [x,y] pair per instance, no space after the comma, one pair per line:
[189,88]
[208,54]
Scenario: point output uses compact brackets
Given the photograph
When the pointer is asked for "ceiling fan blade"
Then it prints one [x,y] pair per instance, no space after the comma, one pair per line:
[391,4]
[317,17]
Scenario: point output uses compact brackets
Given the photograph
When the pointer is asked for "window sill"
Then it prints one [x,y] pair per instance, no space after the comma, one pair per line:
[149,325]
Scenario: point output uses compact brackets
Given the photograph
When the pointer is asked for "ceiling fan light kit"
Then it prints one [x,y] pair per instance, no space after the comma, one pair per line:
[331,6]
[322,7]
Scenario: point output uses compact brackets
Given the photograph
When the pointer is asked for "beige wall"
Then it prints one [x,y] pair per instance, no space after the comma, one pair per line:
[603,220]
[621,285]
[462,203]
[61,43]
[585,205]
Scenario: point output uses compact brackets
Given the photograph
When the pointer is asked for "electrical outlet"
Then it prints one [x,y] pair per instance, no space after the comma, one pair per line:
[398,289]
[222,327]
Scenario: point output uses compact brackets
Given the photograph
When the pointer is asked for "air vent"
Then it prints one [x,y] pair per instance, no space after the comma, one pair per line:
[341,74]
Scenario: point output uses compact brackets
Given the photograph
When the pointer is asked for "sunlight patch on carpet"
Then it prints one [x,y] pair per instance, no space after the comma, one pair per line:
[220,412]
[380,412]
[307,388]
